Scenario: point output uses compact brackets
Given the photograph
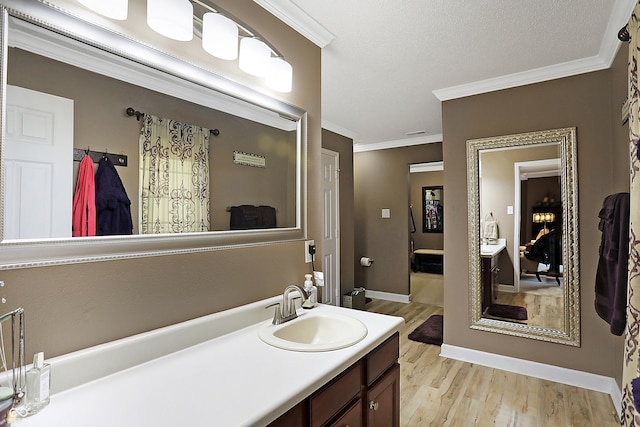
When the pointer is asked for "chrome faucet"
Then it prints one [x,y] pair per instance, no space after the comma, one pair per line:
[287,311]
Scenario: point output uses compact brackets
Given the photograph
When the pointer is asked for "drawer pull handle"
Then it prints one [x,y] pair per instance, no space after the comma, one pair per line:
[373,405]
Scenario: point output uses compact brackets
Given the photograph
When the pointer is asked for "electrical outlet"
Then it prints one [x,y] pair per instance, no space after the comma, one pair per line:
[307,254]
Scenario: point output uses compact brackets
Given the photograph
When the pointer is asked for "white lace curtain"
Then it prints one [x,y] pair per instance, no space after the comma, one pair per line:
[174,177]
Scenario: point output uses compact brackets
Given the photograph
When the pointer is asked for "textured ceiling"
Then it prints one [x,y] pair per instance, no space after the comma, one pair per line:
[380,71]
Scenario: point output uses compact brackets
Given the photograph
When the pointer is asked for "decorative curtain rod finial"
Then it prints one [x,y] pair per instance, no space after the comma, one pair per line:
[623,34]
[131,112]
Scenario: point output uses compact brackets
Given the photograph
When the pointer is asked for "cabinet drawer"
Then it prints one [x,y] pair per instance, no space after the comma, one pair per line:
[351,418]
[332,398]
[383,357]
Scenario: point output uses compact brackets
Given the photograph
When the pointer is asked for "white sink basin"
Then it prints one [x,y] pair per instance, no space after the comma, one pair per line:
[314,332]
[490,249]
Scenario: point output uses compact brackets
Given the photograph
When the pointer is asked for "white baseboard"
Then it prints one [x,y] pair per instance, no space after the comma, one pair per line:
[538,370]
[387,296]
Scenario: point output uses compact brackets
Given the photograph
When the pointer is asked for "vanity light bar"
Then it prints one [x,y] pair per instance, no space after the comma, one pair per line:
[220,32]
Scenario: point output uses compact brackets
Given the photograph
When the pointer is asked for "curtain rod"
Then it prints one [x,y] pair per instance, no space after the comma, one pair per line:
[133,112]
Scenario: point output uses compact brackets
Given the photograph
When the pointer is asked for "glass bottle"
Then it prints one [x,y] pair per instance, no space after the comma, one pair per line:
[38,383]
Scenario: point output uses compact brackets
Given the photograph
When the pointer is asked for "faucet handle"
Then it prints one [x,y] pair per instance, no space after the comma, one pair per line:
[292,305]
[277,315]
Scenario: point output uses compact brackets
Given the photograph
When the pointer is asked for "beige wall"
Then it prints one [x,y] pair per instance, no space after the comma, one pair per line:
[75,306]
[344,147]
[589,102]
[417,180]
[381,181]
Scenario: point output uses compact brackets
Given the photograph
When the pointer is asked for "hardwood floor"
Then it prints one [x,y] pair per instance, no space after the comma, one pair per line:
[543,301]
[435,391]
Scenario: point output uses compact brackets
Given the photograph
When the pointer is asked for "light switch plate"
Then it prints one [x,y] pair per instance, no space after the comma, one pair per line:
[509,210]
[386,213]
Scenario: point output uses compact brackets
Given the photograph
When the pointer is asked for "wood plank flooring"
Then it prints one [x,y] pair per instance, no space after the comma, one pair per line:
[435,391]
[543,301]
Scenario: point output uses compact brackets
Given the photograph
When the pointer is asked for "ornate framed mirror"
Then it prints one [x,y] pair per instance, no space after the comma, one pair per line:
[523,235]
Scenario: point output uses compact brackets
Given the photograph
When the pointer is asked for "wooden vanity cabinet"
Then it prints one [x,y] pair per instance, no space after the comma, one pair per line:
[367,394]
[490,272]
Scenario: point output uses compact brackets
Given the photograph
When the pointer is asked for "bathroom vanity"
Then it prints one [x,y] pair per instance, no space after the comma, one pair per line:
[489,255]
[367,393]
[215,370]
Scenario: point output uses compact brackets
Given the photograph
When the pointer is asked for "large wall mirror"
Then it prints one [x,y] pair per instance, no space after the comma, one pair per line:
[67,87]
[523,235]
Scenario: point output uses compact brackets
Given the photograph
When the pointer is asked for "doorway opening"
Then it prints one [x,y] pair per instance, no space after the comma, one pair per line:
[426,235]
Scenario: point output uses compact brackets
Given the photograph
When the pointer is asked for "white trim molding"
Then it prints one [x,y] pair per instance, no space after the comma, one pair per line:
[429,139]
[335,128]
[538,370]
[388,296]
[289,13]
[426,167]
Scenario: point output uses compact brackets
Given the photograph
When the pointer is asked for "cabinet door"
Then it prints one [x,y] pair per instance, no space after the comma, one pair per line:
[383,400]
[351,418]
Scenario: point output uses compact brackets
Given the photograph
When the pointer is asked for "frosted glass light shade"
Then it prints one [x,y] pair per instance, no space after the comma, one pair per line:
[171,18]
[114,9]
[254,57]
[219,36]
[279,75]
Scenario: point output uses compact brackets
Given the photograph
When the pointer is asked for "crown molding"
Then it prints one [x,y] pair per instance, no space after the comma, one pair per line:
[299,20]
[407,142]
[608,50]
[566,69]
[426,167]
[340,130]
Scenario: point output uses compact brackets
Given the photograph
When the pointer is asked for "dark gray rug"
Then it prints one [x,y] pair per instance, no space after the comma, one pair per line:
[430,332]
[514,312]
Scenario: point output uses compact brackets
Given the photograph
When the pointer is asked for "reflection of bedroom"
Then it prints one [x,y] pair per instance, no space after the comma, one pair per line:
[521,188]
[540,224]
[540,281]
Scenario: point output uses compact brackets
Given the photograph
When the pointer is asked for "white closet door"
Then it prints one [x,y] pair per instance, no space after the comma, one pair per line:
[38,162]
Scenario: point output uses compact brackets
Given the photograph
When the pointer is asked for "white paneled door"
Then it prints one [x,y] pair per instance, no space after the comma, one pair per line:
[38,161]
[330,228]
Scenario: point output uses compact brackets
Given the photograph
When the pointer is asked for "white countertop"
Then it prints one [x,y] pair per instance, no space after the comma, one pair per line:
[234,379]
[491,250]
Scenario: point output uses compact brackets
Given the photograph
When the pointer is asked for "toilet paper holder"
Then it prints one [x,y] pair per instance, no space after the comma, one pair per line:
[366,261]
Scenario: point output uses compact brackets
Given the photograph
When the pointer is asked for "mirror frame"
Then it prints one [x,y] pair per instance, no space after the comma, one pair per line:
[566,138]
[43,252]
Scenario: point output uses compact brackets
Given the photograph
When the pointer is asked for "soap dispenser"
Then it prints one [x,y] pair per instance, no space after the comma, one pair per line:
[38,378]
[311,291]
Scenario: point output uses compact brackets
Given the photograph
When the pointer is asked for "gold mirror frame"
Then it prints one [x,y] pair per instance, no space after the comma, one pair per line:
[566,138]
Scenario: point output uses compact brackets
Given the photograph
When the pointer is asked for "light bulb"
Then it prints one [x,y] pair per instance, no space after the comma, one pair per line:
[219,36]
[171,18]
[279,75]
[254,57]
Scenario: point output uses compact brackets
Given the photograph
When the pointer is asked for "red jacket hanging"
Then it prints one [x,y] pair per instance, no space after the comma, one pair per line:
[84,201]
